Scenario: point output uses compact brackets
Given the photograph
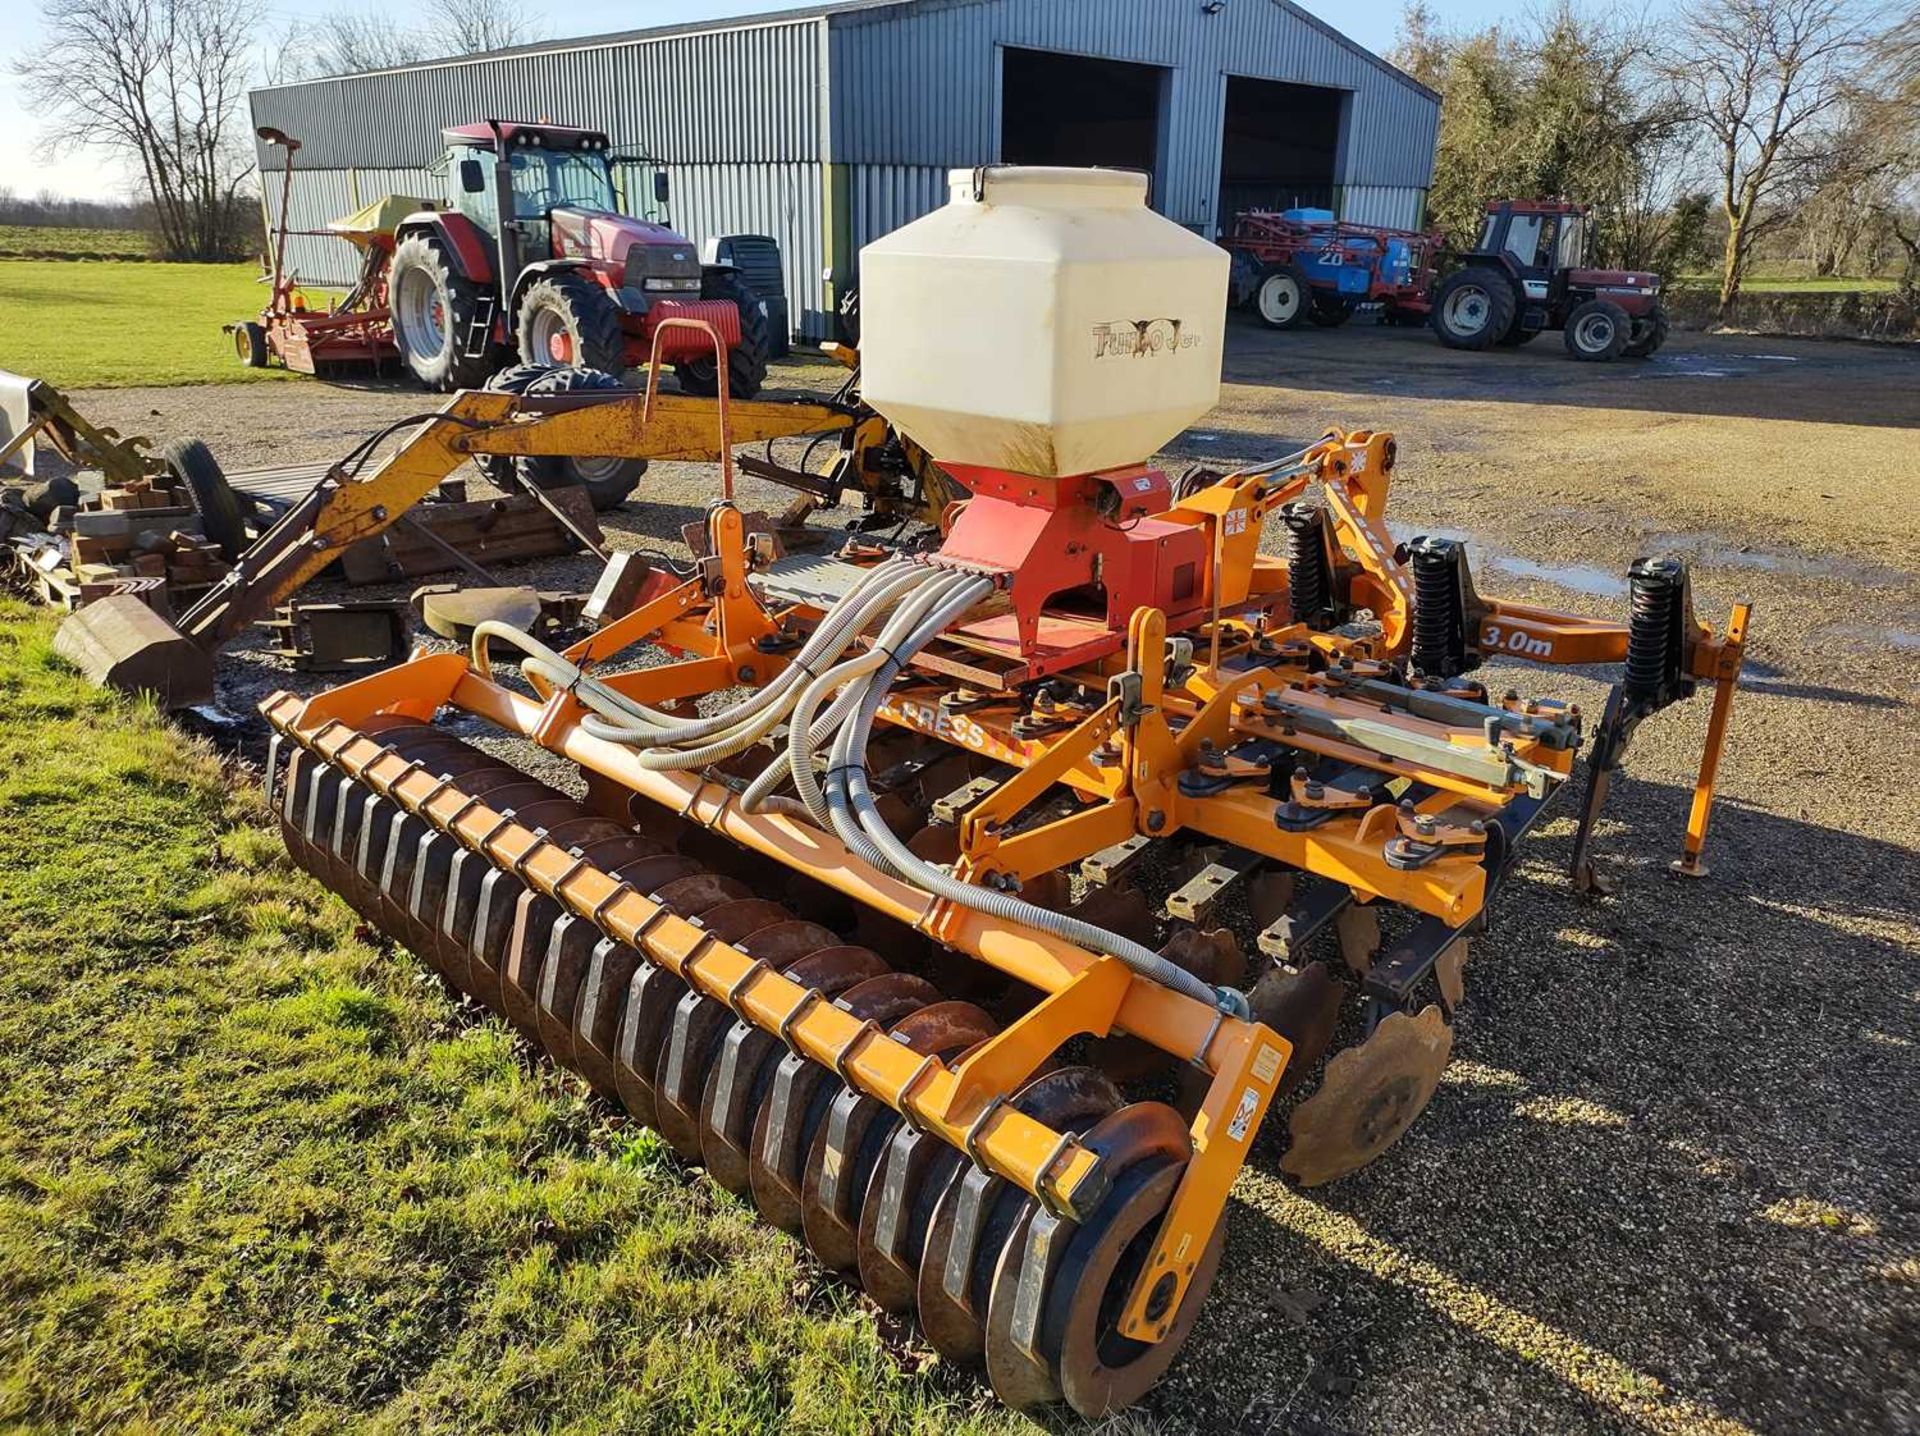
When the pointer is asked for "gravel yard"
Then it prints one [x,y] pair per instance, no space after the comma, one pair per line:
[1669,1181]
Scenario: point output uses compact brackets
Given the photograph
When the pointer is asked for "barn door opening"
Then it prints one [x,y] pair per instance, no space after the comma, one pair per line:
[1280,146]
[1076,110]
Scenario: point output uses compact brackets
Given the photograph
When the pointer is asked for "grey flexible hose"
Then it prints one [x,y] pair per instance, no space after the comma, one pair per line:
[850,783]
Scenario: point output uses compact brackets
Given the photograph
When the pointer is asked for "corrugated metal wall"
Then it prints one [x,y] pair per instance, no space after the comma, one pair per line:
[1389,206]
[734,94]
[919,84]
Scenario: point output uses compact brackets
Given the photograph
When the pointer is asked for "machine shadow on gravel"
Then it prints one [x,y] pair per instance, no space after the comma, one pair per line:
[1665,1183]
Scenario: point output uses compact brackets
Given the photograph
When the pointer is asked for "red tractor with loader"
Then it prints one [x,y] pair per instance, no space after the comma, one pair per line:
[531,254]
[1529,273]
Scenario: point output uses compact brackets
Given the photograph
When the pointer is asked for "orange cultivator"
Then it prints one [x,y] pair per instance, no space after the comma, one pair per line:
[920,895]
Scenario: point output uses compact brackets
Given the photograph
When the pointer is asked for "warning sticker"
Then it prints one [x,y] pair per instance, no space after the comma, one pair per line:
[1243,1115]
[1267,1063]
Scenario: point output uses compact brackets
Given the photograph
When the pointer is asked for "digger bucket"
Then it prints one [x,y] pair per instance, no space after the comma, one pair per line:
[120,642]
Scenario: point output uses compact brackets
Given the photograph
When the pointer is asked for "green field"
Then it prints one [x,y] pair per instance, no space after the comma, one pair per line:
[24,239]
[1793,284]
[111,325]
[259,1172]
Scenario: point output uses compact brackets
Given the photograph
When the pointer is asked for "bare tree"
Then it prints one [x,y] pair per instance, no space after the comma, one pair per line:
[1765,80]
[347,42]
[462,27]
[160,83]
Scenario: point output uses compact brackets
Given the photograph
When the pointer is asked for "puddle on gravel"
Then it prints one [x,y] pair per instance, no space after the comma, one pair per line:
[1579,577]
[1904,640]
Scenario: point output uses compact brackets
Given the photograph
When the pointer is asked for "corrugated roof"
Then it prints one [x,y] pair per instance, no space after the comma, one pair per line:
[816,12]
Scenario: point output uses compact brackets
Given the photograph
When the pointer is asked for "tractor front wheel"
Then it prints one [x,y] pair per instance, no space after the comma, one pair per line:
[1649,333]
[607,481]
[1284,297]
[747,360]
[1473,309]
[1597,331]
[568,319]
[433,308]
[1330,311]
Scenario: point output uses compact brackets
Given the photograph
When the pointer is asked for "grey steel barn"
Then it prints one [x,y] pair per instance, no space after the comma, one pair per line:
[827,126]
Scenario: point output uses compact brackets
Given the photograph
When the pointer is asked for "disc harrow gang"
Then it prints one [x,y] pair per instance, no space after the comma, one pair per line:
[918,1222]
[975,942]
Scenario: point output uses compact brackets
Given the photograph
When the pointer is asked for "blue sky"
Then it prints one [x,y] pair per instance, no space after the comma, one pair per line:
[24,168]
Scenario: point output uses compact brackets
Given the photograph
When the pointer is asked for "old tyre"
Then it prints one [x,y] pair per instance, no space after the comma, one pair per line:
[1284,297]
[250,344]
[1597,331]
[433,309]
[747,360]
[223,513]
[1649,333]
[607,481]
[1473,308]
[566,318]
[514,379]
[1330,311]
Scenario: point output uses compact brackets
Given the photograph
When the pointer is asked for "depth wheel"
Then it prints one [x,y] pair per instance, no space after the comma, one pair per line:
[1098,1370]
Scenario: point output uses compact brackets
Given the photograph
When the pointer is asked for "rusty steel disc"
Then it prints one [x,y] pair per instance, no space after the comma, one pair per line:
[1358,931]
[699,891]
[1302,1005]
[1369,1097]
[1450,971]
[1118,907]
[978,1213]
[848,1145]
[731,921]
[738,1087]
[1021,1370]
[788,940]
[1269,895]
[796,1103]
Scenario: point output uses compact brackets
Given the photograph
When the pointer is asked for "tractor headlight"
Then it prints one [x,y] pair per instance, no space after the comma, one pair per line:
[661,284]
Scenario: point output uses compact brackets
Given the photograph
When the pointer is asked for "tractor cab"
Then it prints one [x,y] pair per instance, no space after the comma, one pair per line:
[1540,240]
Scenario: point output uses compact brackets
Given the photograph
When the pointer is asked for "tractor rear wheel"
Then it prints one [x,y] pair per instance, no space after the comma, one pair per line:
[1597,331]
[1473,308]
[433,311]
[250,344]
[747,360]
[607,481]
[1284,297]
[1330,311]
[1649,333]
[568,319]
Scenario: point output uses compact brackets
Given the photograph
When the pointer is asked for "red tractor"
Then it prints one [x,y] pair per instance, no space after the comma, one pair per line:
[532,254]
[1528,273]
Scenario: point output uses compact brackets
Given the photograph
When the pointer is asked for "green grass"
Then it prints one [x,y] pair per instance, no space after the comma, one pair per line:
[26,239]
[111,325]
[1793,284]
[259,1172]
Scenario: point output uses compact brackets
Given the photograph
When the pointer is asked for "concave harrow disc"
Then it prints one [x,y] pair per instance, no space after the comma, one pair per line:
[999,1282]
